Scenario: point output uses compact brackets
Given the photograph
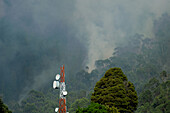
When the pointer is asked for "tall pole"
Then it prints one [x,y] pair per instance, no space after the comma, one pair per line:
[59,83]
[62,98]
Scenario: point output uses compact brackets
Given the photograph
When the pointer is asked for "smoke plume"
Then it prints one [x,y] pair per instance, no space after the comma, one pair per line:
[38,36]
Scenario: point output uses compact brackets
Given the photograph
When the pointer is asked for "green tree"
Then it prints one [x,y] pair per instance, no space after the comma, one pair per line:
[97,108]
[155,97]
[4,108]
[164,76]
[145,97]
[114,89]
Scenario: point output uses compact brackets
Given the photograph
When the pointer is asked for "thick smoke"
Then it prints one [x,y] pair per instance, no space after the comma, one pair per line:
[1,9]
[37,36]
[35,40]
[105,23]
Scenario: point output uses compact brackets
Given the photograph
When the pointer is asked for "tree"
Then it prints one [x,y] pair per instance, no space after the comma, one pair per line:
[3,108]
[154,97]
[164,76]
[114,89]
[97,108]
[153,83]
[145,97]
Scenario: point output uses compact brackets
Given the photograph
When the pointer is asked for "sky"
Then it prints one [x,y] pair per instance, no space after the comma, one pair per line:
[38,36]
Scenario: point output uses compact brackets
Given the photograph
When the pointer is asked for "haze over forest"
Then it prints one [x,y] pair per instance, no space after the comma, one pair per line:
[38,36]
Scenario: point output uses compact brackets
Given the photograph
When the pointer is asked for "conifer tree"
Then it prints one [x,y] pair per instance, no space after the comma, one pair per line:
[114,90]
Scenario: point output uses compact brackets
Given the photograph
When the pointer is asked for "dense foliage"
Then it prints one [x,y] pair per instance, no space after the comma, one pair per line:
[114,89]
[97,108]
[155,96]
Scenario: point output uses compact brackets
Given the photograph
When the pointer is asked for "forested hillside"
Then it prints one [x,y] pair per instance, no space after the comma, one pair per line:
[155,95]
[91,39]
[141,59]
